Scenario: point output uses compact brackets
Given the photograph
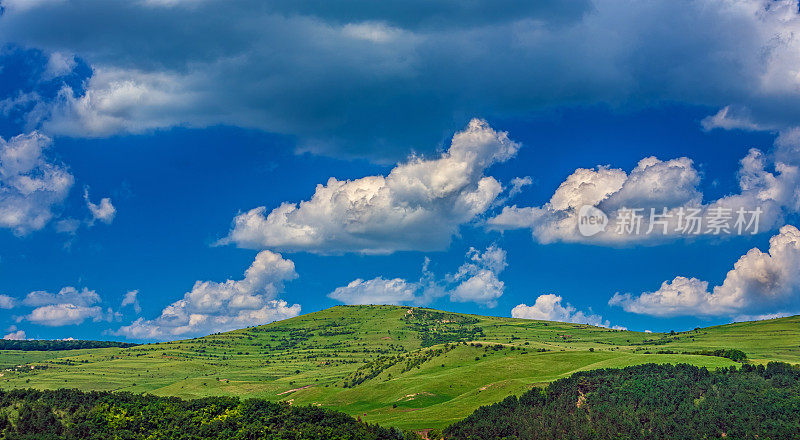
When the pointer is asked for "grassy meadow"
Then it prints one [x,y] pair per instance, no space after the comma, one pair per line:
[398,366]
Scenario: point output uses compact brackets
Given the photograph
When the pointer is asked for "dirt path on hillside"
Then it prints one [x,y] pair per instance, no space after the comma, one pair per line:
[294,389]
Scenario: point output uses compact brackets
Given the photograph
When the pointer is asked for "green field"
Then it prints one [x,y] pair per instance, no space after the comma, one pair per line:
[398,366]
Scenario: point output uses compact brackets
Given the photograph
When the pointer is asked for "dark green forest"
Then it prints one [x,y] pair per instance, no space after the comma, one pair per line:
[71,414]
[649,402]
[52,345]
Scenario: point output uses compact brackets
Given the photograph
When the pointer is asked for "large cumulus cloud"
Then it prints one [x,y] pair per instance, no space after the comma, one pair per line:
[759,282]
[667,194]
[221,306]
[419,205]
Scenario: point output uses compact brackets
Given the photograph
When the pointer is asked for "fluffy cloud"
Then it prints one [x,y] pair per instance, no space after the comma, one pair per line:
[213,306]
[376,291]
[56,315]
[59,64]
[772,188]
[7,302]
[477,280]
[67,295]
[549,308]
[130,299]
[69,306]
[30,185]
[103,211]
[196,63]
[758,281]
[117,100]
[518,183]
[18,335]
[419,205]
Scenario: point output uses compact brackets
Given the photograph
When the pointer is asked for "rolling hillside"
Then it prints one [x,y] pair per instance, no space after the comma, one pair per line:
[398,366]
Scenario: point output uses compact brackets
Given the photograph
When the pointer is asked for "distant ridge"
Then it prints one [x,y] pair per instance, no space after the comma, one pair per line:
[59,344]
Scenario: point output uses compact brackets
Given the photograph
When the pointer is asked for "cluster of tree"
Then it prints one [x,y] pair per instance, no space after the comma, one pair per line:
[52,345]
[648,402]
[730,353]
[433,337]
[71,414]
[412,360]
[436,316]
[436,327]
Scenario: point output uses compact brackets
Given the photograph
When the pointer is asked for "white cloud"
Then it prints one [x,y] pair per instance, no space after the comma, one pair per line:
[69,306]
[650,187]
[213,307]
[768,182]
[104,211]
[518,183]
[587,187]
[30,185]
[652,183]
[731,118]
[549,308]
[675,297]
[130,299]
[18,335]
[418,206]
[7,302]
[56,315]
[514,217]
[759,282]
[477,280]
[59,64]
[117,100]
[67,295]
[377,291]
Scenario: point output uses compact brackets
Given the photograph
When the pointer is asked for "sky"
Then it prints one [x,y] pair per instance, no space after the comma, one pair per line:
[174,168]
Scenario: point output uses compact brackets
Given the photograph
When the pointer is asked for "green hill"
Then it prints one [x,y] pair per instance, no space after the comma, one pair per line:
[397,366]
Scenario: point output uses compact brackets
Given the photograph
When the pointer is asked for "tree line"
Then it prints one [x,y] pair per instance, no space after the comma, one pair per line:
[74,415]
[52,345]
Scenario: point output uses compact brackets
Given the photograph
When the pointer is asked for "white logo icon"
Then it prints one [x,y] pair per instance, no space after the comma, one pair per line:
[591,220]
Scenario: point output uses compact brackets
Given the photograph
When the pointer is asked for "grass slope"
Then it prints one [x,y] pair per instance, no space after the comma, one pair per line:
[398,366]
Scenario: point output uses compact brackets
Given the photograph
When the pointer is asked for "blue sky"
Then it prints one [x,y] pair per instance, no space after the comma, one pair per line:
[144,168]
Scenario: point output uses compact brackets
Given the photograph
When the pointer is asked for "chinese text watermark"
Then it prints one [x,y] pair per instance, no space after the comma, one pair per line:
[715,220]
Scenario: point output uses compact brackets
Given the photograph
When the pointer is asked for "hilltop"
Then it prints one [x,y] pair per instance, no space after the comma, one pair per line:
[398,366]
